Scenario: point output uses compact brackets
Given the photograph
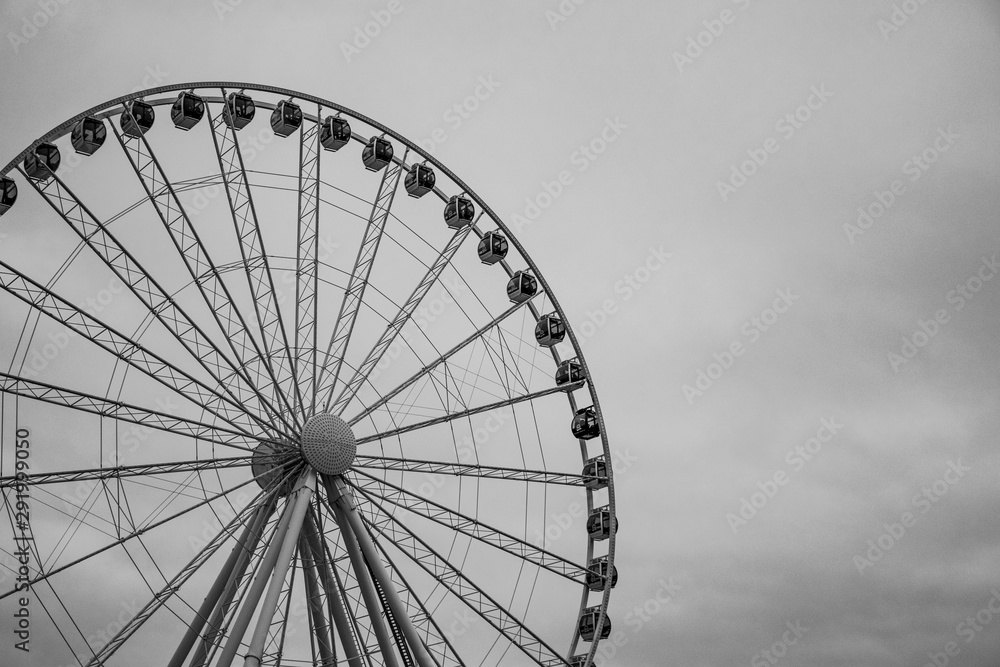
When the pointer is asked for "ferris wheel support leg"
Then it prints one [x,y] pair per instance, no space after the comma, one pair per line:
[333,596]
[264,569]
[245,546]
[302,495]
[345,503]
[320,621]
[367,587]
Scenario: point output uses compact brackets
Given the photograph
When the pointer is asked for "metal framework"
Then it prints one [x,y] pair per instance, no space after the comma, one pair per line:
[209,376]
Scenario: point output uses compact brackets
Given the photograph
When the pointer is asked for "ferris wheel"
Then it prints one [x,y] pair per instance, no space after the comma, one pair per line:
[265,401]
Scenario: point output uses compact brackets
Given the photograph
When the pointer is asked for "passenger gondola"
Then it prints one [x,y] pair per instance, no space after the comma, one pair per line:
[376,154]
[42,162]
[458,212]
[588,624]
[599,524]
[419,180]
[492,248]
[187,111]
[137,119]
[88,135]
[335,133]
[585,425]
[550,330]
[238,111]
[595,473]
[598,572]
[8,194]
[286,118]
[521,287]
[569,372]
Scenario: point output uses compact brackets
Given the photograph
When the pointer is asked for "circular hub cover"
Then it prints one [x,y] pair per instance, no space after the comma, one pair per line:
[328,444]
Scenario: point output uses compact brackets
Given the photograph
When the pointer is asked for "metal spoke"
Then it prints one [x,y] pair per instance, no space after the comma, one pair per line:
[120,472]
[162,306]
[199,264]
[396,325]
[256,263]
[131,536]
[17,386]
[372,487]
[471,411]
[173,586]
[127,350]
[307,264]
[452,578]
[495,322]
[354,294]
[469,470]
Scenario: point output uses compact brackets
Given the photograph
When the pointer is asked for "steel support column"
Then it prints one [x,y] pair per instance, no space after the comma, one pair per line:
[343,499]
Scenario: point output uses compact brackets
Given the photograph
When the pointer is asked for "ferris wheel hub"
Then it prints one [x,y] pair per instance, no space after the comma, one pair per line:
[328,444]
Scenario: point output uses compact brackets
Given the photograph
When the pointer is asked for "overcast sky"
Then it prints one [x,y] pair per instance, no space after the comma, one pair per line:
[789,233]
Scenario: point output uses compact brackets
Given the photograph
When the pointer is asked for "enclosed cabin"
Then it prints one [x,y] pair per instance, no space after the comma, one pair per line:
[549,330]
[137,118]
[8,194]
[238,111]
[376,154]
[598,572]
[88,135]
[419,180]
[286,118]
[521,287]
[458,212]
[595,473]
[42,162]
[585,425]
[492,248]
[599,524]
[335,133]
[588,624]
[580,661]
[569,372]
[187,111]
